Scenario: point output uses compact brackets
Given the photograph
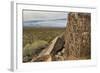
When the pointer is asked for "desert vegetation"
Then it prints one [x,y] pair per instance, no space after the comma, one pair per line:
[37,39]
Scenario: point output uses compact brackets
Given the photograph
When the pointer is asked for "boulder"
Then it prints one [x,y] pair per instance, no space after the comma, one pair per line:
[55,46]
[59,44]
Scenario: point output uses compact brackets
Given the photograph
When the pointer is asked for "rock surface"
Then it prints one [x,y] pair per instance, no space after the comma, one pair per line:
[78,35]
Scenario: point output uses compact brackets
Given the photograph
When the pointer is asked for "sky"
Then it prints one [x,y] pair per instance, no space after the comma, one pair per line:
[44,18]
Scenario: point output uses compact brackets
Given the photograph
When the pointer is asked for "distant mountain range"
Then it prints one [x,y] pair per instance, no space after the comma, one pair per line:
[46,23]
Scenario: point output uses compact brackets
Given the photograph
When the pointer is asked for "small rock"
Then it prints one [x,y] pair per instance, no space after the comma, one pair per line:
[59,53]
[63,50]
[26,59]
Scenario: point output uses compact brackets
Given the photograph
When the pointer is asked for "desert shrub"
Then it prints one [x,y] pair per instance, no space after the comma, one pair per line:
[34,48]
[47,34]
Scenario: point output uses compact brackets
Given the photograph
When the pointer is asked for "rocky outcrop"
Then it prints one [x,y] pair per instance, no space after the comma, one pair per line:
[56,45]
[78,35]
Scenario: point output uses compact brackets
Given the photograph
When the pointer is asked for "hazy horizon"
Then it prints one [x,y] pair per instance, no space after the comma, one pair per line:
[44,19]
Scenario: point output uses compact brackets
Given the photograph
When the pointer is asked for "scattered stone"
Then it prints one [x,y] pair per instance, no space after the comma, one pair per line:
[26,59]
[59,53]
[63,50]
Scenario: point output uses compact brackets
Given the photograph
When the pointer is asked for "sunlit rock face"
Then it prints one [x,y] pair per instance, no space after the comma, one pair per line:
[78,36]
